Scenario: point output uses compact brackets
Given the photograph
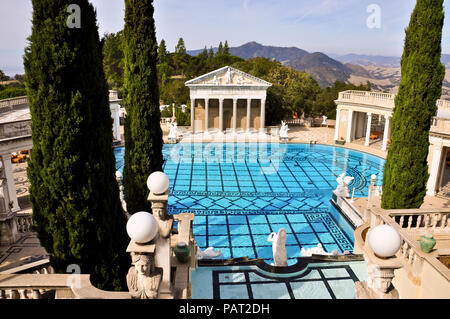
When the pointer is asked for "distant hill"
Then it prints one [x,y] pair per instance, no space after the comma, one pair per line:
[378,60]
[321,67]
[383,72]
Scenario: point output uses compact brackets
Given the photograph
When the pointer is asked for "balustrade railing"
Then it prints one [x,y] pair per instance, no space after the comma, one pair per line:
[10,103]
[411,224]
[420,221]
[15,129]
[380,99]
[440,125]
[24,222]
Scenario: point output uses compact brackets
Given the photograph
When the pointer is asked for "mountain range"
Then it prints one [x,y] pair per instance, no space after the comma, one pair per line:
[383,72]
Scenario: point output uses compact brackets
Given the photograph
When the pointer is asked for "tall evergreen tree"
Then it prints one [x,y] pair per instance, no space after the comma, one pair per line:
[162,52]
[76,208]
[220,48]
[226,48]
[143,135]
[406,170]
[210,54]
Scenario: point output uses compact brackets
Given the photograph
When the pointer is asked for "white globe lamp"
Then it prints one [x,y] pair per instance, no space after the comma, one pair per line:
[158,183]
[384,240]
[142,227]
[118,174]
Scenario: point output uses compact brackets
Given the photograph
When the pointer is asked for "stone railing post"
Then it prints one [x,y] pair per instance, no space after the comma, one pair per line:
[163,242]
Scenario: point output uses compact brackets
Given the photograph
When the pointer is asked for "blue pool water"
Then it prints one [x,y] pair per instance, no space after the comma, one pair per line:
[241,192]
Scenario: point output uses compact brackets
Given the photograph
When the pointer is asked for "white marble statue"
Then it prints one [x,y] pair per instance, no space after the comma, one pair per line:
[208,253]
[284,131]
[279,247]
[215,81]
[342,189]
[229,76]
[314,250]
[173,132]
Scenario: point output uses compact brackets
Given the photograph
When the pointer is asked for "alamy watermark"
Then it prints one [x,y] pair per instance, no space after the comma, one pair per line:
[74,19]
[374,19]
[74,280]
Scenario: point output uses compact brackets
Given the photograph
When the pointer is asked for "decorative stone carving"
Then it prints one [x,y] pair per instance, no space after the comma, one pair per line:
[143,279]
[342,189]
[284,131]
[318,250]
[379,282]
[173,132]
[229,76]
[279,247]
[208,253]
[165,221]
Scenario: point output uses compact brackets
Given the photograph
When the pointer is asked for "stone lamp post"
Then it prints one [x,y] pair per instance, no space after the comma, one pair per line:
[158,184]
[143,278]
[383,242]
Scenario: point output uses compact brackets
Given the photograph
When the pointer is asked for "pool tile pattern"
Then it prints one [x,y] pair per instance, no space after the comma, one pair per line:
[240,193]
[317,282]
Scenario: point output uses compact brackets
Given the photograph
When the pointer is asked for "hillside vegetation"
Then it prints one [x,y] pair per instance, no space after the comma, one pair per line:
[293,92]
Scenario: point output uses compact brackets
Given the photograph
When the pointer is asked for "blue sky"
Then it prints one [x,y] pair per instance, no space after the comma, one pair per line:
[330,26]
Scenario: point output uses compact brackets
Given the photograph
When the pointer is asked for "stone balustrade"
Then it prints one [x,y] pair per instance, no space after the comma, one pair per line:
[24,223]
[10,103]
[52,286]
[369,98]
[411,224]
[440,125]
[421,222]
[15,129]
[379,99]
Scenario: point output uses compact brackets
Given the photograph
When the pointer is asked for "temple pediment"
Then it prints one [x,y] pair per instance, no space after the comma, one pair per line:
[227,76]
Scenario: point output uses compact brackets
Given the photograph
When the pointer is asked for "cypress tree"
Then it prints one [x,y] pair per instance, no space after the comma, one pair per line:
[143,135]
[162,52]
[406,169]
[76,208]
[226,49]
[220,49]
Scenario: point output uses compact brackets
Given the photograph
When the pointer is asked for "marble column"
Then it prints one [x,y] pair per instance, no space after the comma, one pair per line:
[263,115]
[249,103]
[338,122]
[6,161]
[221,115]
[235,114]
[386,134]
[193,115]
[368,130]
[434,170]
[349,126]
[206,114]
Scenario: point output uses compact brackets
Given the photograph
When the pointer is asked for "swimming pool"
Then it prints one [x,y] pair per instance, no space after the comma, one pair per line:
[241,192]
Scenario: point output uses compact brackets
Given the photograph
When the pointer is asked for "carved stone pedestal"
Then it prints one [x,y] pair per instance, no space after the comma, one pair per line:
[143,279]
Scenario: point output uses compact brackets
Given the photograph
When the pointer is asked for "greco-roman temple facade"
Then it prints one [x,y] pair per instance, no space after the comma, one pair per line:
[227,100]
[365,118]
